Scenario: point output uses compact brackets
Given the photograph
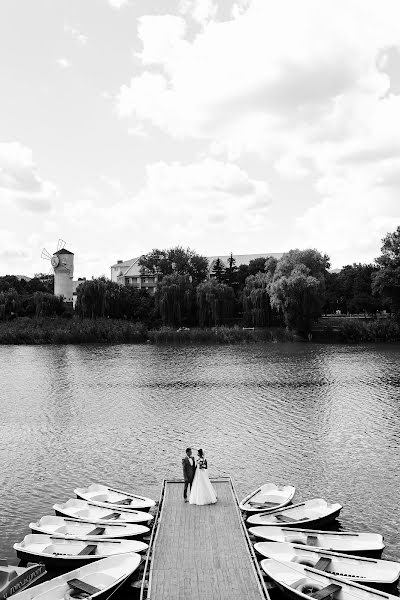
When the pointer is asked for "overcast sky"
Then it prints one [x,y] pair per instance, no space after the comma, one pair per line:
[232,125]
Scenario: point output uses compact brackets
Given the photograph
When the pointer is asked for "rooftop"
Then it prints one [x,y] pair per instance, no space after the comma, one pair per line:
[62,251]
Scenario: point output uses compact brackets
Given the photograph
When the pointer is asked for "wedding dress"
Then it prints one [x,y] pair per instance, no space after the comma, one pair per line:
[202,491]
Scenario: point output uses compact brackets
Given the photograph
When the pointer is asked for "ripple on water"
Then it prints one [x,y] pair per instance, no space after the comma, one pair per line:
[323,418]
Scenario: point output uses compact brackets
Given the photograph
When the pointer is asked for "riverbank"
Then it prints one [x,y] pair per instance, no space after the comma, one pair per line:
[109,331]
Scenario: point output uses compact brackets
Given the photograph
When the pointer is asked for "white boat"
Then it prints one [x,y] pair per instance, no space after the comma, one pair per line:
[267,497]
[349,542]
[89,530]
[311,513]
[61,552]
[81,509]
[14,579]
[300,583]
[102,495]
[360,569]
[97,580]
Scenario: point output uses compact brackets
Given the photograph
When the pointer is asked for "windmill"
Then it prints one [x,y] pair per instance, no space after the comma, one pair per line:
[62,263]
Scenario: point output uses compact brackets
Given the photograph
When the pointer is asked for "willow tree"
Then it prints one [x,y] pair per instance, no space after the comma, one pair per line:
[297,288]
[386,280]
[256,301]
[174,300]
[215,303]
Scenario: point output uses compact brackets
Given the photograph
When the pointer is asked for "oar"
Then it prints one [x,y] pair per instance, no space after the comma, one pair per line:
[92,542]
[128,494]
[94,522]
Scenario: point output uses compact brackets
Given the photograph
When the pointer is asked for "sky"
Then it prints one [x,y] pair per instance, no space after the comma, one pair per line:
[237,126]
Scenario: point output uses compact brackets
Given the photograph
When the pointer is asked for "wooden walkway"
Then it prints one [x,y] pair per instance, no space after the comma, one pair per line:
[201,552]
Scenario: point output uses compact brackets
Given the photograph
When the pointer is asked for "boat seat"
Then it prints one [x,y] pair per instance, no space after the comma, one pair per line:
[123,501]
[82,586]
[263,504]
[4,578]
[327,592]
[323,563]
[113,515]
[97,531]
[312,540]
[89,549]
[285,519]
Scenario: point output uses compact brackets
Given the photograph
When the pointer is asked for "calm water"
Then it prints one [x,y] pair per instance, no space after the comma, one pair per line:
[323,418]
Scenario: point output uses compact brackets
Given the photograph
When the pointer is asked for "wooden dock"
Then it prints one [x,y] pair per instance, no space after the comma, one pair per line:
[201,552]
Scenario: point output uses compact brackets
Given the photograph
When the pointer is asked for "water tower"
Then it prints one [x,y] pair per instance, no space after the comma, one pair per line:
[62,262]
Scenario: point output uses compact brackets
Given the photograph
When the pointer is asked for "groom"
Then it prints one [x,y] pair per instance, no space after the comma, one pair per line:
[189,468]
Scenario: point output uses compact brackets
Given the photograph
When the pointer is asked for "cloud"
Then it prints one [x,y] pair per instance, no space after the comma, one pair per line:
[201,11]
[64,63]
[77,35]
[19,181]
[117,4]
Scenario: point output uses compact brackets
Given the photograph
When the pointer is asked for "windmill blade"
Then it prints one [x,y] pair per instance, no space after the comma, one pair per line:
[60,244]
[45,254]
[51,271]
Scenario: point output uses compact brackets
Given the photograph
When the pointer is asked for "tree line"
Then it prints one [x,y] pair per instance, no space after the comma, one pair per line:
[293,291]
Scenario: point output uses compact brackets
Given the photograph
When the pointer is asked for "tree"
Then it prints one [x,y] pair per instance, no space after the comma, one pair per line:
[256,300]
[298,288]
[218,270]
[386,280]
[257,265]
[175,260]
[215,303]
[174,300]
[231,271]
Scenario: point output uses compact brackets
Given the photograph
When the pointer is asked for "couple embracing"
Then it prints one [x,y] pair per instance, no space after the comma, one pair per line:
[196,479]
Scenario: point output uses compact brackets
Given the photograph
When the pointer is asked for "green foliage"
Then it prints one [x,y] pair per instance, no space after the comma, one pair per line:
[230,276]
[175,300]
[379,330]
[298,288]
[256,301]
[215,303]
[175,260]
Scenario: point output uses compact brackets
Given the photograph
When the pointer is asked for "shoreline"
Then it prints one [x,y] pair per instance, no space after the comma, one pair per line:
[51,331]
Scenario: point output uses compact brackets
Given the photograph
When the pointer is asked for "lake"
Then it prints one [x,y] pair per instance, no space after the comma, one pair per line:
[324,418]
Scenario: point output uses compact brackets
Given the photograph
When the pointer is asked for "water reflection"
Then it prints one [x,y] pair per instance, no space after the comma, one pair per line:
[323,418]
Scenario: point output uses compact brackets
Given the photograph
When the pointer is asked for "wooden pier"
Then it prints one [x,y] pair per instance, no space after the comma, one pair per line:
[201,552]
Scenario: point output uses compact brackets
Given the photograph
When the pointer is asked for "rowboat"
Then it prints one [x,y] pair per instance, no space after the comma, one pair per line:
[87,530]
[311,513]
[81,509]
[102,495]
[349,542]
[61,552]
[360,569]
[98,580]
[300,583]
[15,579]
[268,497]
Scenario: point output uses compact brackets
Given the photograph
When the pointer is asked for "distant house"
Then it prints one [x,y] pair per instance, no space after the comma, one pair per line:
[127,272]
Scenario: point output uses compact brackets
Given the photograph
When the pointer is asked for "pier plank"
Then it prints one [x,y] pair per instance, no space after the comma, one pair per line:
[200,552]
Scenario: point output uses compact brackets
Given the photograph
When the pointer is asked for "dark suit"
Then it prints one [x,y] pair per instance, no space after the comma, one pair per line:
[188,473]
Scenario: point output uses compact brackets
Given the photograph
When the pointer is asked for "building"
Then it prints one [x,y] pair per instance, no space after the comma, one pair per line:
[128,272]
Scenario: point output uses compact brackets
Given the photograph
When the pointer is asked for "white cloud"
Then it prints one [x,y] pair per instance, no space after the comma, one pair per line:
[64,63]
[77,35]
[19,182]
[201,11]
[117,4]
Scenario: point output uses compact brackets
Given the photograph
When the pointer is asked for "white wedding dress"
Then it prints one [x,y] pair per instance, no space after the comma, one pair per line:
[202,491]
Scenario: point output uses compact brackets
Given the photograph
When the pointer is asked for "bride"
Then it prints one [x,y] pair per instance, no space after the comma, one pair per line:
[202,491]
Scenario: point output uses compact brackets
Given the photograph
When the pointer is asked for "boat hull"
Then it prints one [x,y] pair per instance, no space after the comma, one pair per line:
[25,578]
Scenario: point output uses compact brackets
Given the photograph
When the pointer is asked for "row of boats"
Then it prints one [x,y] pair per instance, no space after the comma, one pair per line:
[307,562]
[99,535]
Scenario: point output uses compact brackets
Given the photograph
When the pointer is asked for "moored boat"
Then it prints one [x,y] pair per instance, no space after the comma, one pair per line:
[97,580]
[310,513]
[102,495]
[300,583]
[65,553]
[14,579]
[81,509]
[67,527]
[360,569]
[348,542]
[268,497]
